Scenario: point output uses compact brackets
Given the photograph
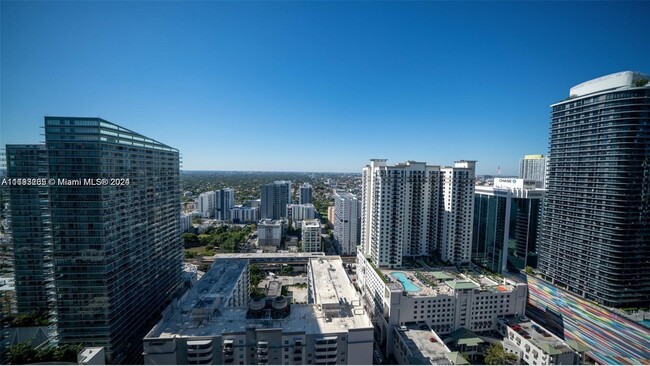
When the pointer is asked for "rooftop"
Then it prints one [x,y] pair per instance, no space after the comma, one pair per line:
[269,257]
[306,318]
[337,308]
[330,283]
[444,282]
[538,336]
[425,346]
[462,285]
[311,223]
[214,289]
[609,82]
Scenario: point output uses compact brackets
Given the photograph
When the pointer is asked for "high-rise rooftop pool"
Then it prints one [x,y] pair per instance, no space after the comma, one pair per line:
[406,283]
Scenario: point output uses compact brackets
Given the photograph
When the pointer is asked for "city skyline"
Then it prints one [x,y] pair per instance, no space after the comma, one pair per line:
[230,84]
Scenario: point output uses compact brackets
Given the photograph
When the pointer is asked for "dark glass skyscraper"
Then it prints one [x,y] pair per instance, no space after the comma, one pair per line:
[595,234]
[112,207]
[28,229]
[275,197]
[506,222]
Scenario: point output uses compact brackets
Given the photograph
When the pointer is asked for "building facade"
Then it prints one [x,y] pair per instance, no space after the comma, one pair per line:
[506,223]
[595,238]
[275,198]
[239,214]
[414,209]
[533,167]
[109,232]
[456,211]
[270,232]
[443,300]
[186,222]
[28,231]
[207,203]
[305,194]
[311,238]
[346,221]
[533,345]
[299,212]
[224,200]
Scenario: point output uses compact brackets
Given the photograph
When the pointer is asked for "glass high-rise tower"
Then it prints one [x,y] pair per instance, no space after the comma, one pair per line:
[275,197]
[113,258]
[506,222]
[29,233]
[595,234]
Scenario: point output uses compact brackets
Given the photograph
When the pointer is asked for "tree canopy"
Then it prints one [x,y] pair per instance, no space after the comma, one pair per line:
[25,352]
[496,355]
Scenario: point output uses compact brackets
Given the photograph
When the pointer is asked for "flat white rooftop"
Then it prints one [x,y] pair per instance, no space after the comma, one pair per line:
[306,318]
[337,307]
[216,285]
[538,336]
[271,256]
[419,342]
[607,82]
[331,284]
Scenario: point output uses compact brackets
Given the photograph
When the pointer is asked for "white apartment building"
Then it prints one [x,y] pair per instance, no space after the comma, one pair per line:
[533,345]
[332,328]
[533,167]
[402,213]
[299,212]
[311,238]
[269,232]
[186,221]
[241,213]
[457,211]
[346,221]
[207,203]
[444,300]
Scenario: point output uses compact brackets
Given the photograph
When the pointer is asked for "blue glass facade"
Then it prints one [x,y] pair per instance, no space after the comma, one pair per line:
[505,229]
[99,246]
[117,246]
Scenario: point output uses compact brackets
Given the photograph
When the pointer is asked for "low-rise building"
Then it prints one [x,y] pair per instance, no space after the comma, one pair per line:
[311,238]
[535,346]
[269,232]
[332,328]
[92,356]
[418,345]
[444,300]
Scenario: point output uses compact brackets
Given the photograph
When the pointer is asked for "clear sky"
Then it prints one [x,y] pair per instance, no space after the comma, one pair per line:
[314,86]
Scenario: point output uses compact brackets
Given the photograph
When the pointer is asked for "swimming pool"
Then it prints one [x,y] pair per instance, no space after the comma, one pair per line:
[408,285]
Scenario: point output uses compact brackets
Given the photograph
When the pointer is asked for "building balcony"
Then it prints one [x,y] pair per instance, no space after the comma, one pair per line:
[199,358]
[326,352]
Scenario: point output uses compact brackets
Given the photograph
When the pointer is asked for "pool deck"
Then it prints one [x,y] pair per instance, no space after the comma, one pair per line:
[409,282]
[441,281]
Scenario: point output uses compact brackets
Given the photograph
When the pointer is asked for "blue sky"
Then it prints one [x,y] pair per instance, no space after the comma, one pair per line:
[314,86]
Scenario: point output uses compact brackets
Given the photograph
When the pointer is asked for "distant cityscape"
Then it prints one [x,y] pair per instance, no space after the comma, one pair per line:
[111,254]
